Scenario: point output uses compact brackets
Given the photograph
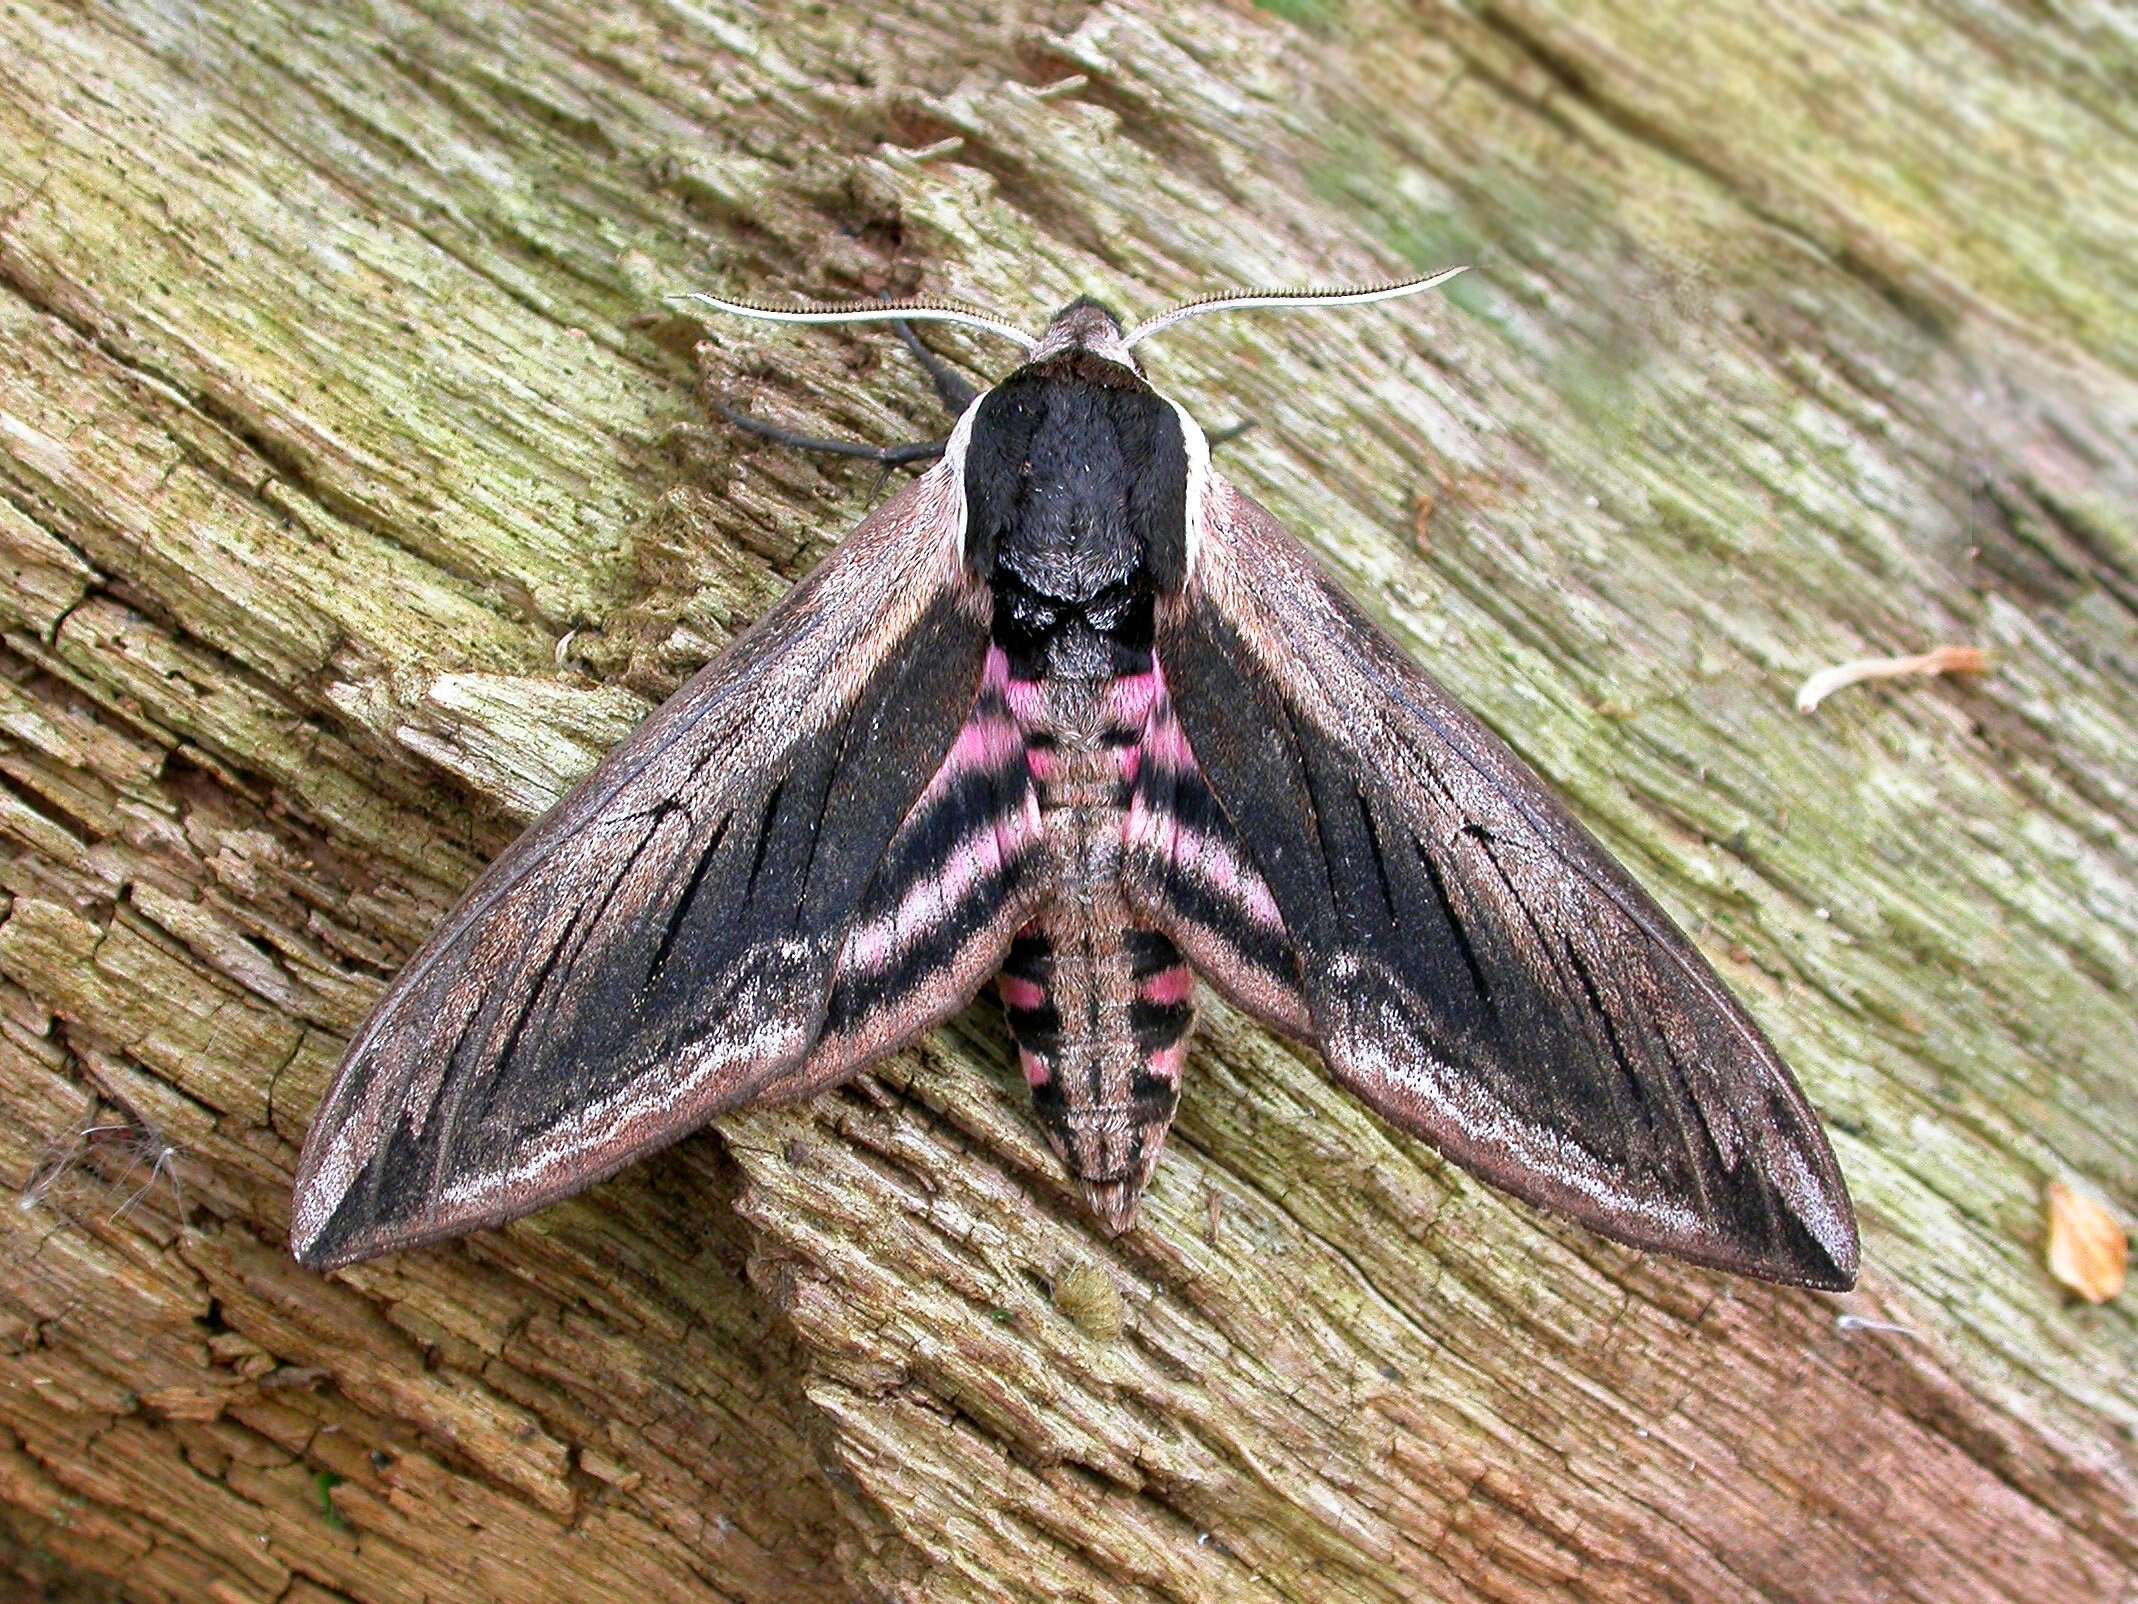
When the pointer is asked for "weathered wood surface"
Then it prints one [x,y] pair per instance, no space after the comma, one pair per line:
[353,495]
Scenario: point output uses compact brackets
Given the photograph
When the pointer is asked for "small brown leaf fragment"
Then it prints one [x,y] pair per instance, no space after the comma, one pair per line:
[2088,1250]
[1423,506]
[1938,660]
[1087,1295]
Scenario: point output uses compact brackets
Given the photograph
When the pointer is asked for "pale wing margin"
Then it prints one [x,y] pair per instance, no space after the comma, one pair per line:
[1476,966]
[662,943]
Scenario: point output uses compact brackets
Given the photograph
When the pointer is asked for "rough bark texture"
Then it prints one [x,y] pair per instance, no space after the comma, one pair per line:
[354,494]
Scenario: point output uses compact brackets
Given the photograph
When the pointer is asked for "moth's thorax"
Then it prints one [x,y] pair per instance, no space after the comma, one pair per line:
[1077,480]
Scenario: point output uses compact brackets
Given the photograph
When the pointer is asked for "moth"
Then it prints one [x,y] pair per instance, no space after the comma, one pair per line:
[1071,712]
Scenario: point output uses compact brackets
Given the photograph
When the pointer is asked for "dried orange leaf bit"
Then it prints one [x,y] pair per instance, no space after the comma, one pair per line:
[2088,1251]
[1938,660]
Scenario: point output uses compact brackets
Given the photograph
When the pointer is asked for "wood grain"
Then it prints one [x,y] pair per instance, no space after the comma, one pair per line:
[354,497]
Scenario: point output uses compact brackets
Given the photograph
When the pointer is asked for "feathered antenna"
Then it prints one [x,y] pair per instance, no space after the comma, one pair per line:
[917,310]
[1240,300]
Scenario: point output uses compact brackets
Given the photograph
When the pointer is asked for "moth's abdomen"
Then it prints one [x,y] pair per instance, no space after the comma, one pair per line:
[1100,1003]
[1101,1015]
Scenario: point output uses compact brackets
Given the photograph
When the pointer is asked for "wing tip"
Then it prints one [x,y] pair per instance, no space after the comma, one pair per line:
[314,1245]
[322,1234]
[1817,1248]
[1793,1258]
[1820,1272]
[1829,1246]
[1838,1271]
[312,1257]
[328,1248]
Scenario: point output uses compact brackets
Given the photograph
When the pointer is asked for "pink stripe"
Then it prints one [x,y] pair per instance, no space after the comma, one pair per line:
[1131,697]
[871,947]
[1248,886]
[1036,1072]
[985,740]
[1025,697]
[1166,1062]
[1196,852]
[1205,857]
[1168,986]
[1018,993]
[970,750]
[984,743]
[962,870]
[980,857]
[1167,742]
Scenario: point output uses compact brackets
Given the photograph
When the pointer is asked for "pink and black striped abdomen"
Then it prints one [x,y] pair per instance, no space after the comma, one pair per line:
[1100,1001]
[1102,1027]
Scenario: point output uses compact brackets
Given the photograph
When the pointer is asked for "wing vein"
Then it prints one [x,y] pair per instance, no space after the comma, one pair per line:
[1455,924]
[684,903]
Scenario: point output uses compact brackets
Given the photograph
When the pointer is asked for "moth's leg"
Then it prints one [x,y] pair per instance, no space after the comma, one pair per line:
[951,387]
[953,391]
[1229,433]
[889,456]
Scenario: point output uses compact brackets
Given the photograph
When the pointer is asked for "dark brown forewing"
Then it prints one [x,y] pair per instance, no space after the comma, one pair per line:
[662,944]
[1476,966]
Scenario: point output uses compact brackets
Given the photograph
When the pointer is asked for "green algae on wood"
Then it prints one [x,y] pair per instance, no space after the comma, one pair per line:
[354,493]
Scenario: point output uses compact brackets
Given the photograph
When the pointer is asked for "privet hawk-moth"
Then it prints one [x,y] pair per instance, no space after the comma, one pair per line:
[1071,712]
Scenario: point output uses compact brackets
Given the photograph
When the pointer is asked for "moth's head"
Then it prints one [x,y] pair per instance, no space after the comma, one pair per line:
[1088,326]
